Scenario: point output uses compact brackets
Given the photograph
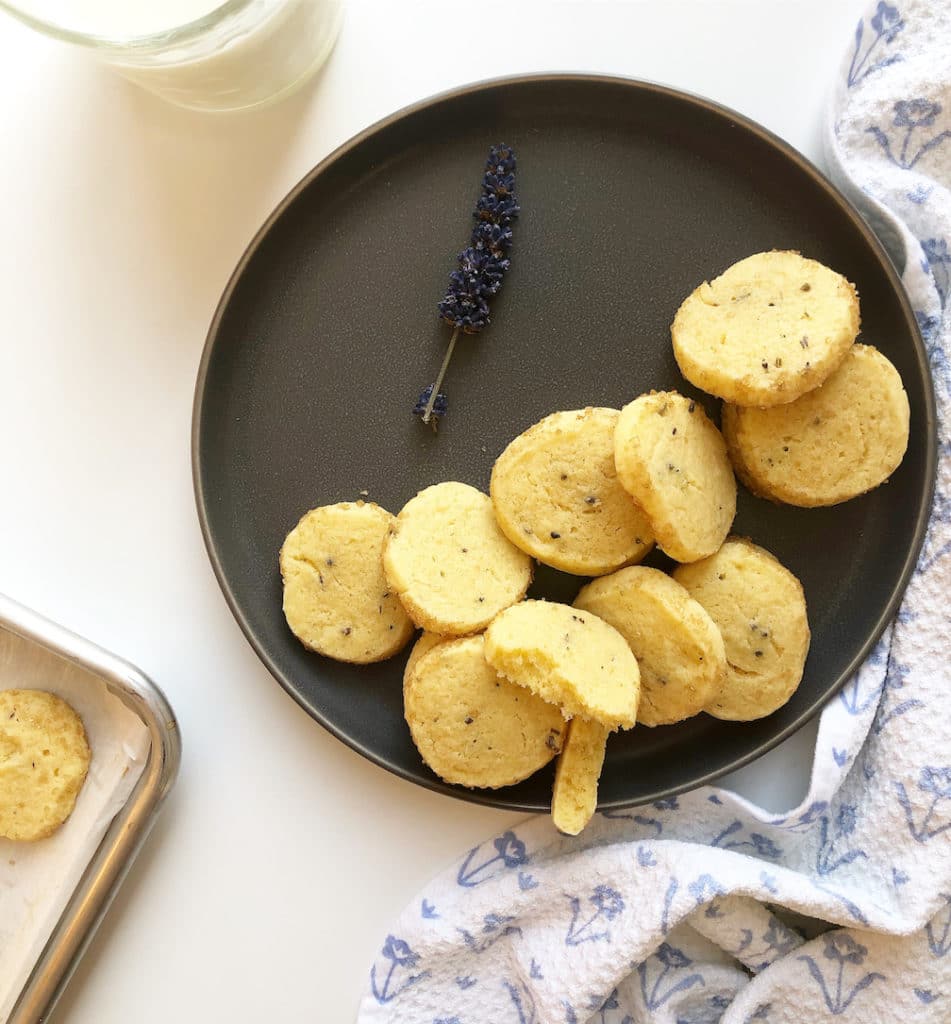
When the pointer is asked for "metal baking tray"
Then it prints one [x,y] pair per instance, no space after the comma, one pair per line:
[128,830]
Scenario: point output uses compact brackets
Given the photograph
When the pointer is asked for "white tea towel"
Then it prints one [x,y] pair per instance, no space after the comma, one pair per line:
[679,911]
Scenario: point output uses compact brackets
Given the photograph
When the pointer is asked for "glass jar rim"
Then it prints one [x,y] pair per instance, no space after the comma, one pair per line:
[183,33]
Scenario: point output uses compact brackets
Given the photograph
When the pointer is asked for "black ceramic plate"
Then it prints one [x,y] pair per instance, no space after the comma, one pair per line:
[631,194]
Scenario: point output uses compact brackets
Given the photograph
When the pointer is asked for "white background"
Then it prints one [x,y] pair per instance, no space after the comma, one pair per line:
[282,856]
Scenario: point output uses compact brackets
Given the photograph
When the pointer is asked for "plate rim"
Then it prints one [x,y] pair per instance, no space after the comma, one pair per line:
[488,797]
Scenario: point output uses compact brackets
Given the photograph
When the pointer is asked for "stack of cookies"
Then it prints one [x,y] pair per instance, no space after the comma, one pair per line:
[496,686]
[810,417]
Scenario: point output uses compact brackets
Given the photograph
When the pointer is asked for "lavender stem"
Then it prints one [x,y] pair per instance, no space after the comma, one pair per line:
[428,411]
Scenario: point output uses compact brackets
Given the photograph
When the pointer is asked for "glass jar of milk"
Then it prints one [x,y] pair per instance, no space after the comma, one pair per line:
[204,54]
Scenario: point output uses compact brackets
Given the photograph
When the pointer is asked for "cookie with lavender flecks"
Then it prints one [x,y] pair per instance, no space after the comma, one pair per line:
[835,443]
[471,726]
[556,495]
[336,598]
[569,657]
[452,567]
[673,462]
[759,608]
[767,330]
[677,645]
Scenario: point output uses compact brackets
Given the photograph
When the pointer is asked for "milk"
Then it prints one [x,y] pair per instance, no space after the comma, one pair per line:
[246,55]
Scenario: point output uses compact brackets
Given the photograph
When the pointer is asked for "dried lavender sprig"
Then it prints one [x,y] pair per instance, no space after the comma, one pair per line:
[481,265]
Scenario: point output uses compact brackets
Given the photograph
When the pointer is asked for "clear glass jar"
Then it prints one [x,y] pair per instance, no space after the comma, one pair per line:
[202,54]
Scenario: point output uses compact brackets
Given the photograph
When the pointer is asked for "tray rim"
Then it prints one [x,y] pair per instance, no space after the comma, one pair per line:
[127,832]
[848,208]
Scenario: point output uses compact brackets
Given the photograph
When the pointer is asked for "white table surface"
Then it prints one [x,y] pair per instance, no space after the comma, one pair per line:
[282,856]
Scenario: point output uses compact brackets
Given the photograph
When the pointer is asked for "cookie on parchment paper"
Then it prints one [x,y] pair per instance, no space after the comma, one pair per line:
[44,760]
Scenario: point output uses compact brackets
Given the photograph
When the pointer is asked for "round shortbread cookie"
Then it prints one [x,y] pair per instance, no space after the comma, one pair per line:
[556,495]
[767,330]
[760,610]
[676,643]
[674,463]
[568,657]
[336,598]
[471,726]
[44,759]
[577,771]
[839,441]
[451,565]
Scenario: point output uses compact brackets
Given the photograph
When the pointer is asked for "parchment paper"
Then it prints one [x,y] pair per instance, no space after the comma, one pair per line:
[37,879]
